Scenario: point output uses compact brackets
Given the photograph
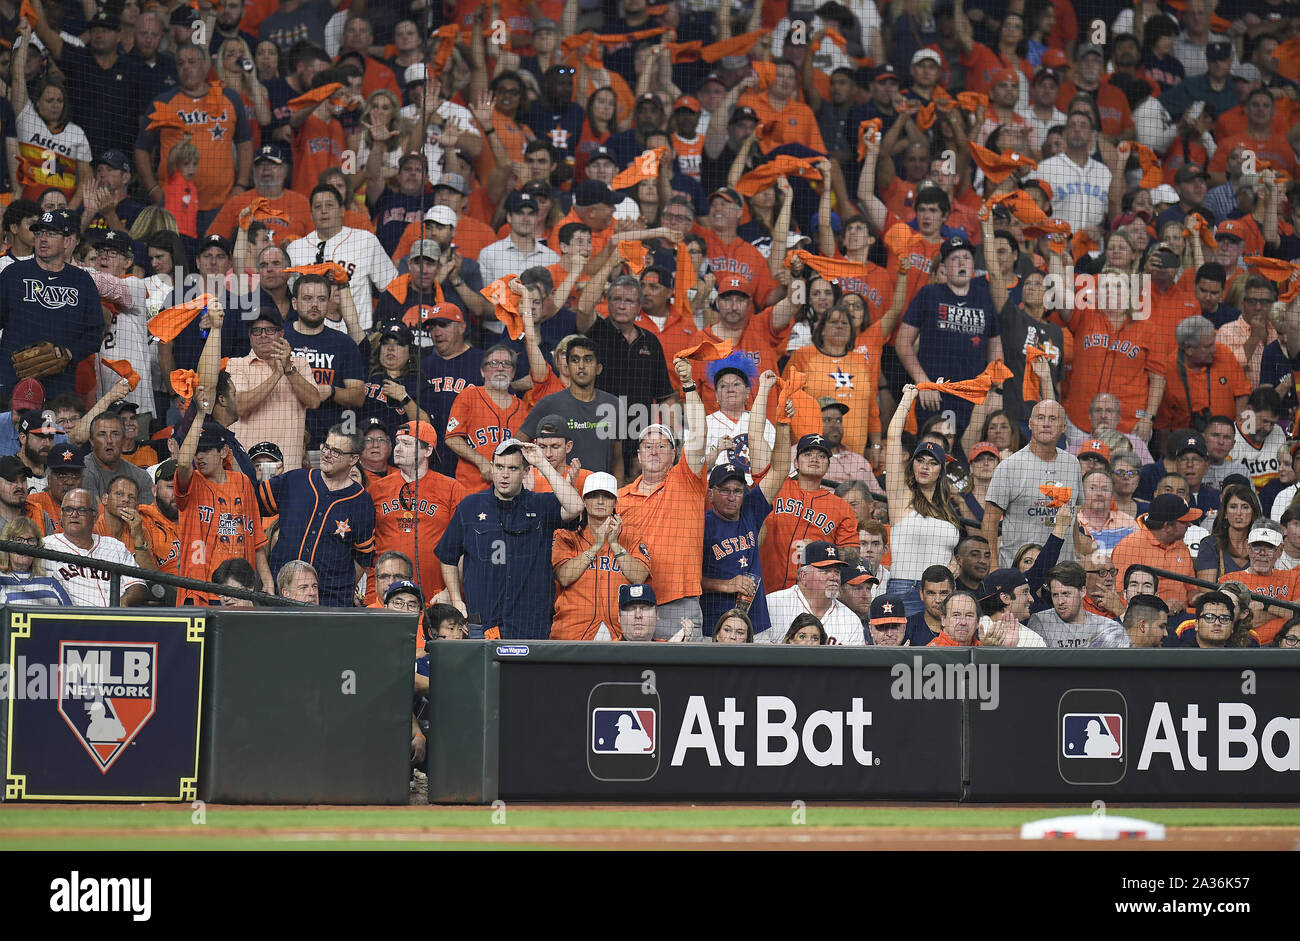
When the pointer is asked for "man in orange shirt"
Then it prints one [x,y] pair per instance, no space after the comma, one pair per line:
[1259,136]
[675,330]
[1089,68]
[804,511]
[688,142]
[665,505]
[290,216]
[793,121]
[160,519]
[318,144]
[413,505]
[1262,576]
[1158,543]
[732,256]
[484,416]
[359,37]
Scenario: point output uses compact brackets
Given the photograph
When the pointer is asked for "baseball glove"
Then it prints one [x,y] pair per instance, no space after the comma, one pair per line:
[40,360]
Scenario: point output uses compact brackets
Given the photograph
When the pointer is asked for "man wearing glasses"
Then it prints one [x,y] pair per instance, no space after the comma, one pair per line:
[1207,371]
[1263,576]
[1251,332]
[504,538]
[1214,617]
[482,417]
[88,587]
[327,518]
[274,389]
[1099,594]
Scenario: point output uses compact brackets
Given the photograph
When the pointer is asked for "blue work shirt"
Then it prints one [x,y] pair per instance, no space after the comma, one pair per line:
[507,550]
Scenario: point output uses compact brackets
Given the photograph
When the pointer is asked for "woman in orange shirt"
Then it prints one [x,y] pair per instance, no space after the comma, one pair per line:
[835,369]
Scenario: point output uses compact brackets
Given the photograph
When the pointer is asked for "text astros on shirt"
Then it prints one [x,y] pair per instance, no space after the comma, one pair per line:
[1112,344]
[807,514]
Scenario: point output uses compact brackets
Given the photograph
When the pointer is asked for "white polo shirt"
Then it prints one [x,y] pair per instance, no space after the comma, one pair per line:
[783,607]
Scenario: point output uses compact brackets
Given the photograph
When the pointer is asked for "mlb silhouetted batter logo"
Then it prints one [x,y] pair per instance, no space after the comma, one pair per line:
[1092,736]
[623,731]
[107,694]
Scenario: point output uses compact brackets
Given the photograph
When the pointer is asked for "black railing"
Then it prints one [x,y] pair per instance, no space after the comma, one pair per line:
[1216,586]
[116,570]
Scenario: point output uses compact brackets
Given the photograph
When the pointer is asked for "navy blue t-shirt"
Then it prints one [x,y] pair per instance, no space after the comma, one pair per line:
[333,357]
[918,633]
[731,549]
[393,212]
[955,330]
[444,380]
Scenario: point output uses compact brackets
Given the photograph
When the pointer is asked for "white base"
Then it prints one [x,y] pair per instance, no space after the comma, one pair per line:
[1090,827]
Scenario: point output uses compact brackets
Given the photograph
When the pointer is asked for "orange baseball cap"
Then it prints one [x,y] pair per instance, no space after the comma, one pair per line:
[1231,228]
[1054,59]
[420,431]
[731,282]
[687,103]
[441,312]
[984,447]
[1095,448]
[1002,75]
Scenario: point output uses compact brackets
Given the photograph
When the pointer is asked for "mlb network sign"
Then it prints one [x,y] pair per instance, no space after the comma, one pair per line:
[107,693]
[1094,741]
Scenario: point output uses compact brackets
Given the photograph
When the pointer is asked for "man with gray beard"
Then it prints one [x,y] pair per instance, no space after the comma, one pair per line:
[817,590]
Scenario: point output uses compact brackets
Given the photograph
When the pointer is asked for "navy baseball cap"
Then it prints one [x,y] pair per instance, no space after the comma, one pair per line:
[934,449]
[887,609]
[729,194]
[1194,443]
[1002,581]
[113,158]
[213,435]
[269,449]
[37,422]
[519,202]
[51,222]
[396,330]
[214,240]
[603,153]
[955,244]
[812,443]
[591,192]
[11,468]
[272,152]
[724,472]
[859,573]
[118,241]
[1169,508]
[629,595]
[1218,51]
[403,587]
[553,426]
[821,555]
[65,457]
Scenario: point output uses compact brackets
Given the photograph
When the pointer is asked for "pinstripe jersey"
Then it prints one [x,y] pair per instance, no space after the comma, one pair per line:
[331,529]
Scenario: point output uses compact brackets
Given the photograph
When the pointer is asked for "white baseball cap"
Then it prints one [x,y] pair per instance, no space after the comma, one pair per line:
[443,215]
[922,54]
[600,483]
[658,429]
[1265,534]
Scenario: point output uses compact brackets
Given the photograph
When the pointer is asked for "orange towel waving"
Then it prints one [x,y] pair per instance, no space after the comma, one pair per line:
[1021,205]
[925,117]
[836,37]
[326,269]
[1029,387]
[685,51]
[871,127]
[766,73]
[169,323]
[1152,171]
[164,116]
[28,12]
[829,268]
[997,167]
[447,36]
[735,46]
[124,369]
[584,47]
[807,413]
[1082,244]
[506,304]
[644,167]
[185,382]
[972,390]
[635,254]
[1196,222]
[683,281]
[1050,227]
[761,177]
[972,101]
[311,99]
[1284,273]
[706,351]
[1057,496]
[902,239]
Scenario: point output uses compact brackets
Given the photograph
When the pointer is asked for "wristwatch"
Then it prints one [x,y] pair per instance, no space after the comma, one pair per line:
[1143,415]
[290,369]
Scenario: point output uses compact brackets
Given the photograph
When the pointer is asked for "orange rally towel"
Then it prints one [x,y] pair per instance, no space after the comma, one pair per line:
[871,127]
[834,36]
[997,167]
[315,96]
[506,303]
[683,281]
[1082,243]
[402,283]
[706,351]
[972,101]
[807,413]
[1050,227]
[164,116]
[761,177]
[28,12]
[1057,496]
[169,323]
[925,117]
[1152,171]
[903,240]
[1284,273]
[972,390]
[124,369]
[1021,205]
[685,51]
[644,167]
[1196,223]
[185,382]
[326,269]
[449,35]
[635,254]
[1029,387]
[735,46]
[829,268]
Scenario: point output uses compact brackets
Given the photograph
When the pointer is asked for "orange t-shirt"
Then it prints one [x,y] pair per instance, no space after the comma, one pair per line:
[1282,585]
[851,379]
[181,199]
[378,76]
[741,260]
[799,514]
[514,137]
[536,481]
[670,521]
[317,146]
[217,522]
[759,342]
[1116,361]
[143,456]
[477,419]
[1141,548]
[690,155]
[793,124]
[592,600]
[1116,116]
[678,332]
[552,383]
[213,123]
[163,538]
[292,219]
[410,518]
[1274,148]
[598,239]
[42,511]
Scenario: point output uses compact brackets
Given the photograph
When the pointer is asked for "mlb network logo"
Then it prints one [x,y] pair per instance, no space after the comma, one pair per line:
[622,732]
[1090,737]
[108,692]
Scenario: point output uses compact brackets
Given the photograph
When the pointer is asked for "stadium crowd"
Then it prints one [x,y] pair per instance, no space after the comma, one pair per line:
[813,323]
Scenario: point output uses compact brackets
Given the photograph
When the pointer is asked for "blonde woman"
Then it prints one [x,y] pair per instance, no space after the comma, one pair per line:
[22,577]
[243,82]
[381,110]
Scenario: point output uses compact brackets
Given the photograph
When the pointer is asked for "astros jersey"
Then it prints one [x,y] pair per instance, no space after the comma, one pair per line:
[731,549]
[89,587]
[592,600]
[42,511]
[163,537]
[799,514]
[331,529]
[445,380]
[216,122]
[1116,361]
[410,517]
[477,419]
[669,520]
[217,522]
[1283,585]
[690,154]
